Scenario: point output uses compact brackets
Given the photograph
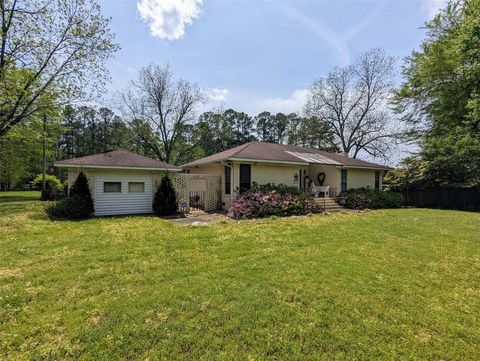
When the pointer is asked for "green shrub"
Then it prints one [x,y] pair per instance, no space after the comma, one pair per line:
[50,180]
[280,188]
[81,189]
[78,205]
[361,198]
[255,203]
[53,187]
[69,208]
[165,200]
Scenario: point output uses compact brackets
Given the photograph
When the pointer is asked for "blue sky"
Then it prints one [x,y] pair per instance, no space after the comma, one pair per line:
[258,55]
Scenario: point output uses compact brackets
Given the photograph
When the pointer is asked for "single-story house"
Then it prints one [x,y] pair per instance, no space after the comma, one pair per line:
[305,168]
[121,182]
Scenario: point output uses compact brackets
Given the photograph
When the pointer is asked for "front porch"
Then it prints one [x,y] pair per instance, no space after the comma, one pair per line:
[323,180]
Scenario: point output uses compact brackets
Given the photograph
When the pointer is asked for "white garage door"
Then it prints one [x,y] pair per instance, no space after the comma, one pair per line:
[122,194]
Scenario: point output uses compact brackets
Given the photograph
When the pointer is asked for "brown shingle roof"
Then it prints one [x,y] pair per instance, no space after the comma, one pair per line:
[117,158]
[281,153]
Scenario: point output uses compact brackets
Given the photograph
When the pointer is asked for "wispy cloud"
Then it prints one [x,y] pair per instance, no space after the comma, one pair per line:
[293,103]
[167,19]
[218,94]
[323,31]
[431,7]
[367,20]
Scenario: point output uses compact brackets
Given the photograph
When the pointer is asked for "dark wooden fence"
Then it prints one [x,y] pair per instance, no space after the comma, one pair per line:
[448,198]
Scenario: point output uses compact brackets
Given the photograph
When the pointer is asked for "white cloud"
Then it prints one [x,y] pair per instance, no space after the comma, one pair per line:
[293,103]
[336,40]
[218,94]
[167,18]
[431,7]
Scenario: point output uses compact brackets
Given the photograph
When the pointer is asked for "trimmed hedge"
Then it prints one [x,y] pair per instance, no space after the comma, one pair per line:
[265,201]
[361,198]
[73,208]
[79,204]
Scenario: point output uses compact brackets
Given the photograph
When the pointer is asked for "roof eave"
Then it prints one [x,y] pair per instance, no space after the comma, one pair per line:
[63,165]
[267,161]
[366,167]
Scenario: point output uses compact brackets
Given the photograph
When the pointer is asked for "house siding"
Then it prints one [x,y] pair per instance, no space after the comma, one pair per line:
[358,178]
[123,202]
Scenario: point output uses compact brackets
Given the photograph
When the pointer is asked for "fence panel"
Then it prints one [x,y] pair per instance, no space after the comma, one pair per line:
[448,198]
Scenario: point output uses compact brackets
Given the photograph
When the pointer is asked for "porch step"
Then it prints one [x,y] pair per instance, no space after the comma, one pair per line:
[329,204]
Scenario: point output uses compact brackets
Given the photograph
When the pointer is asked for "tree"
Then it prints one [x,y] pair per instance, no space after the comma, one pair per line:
[265,127]
[353,102]
[21,151]
[48,52]
[440,96]
[309,132]
[165,200]
[158,109]
[80,189]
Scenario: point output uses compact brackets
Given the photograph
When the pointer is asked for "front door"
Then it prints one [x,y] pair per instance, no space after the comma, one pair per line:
[245,177]
[343,180]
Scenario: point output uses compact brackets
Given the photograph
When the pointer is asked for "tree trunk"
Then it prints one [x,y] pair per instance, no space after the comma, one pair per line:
[44,157]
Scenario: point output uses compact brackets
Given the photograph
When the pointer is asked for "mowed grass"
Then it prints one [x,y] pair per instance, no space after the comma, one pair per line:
[396,284]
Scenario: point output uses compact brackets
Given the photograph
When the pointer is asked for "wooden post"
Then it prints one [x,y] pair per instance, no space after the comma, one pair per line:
[44,156]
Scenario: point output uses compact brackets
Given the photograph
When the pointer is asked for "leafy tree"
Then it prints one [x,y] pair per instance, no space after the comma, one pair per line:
[159,109]
[309,132]
[440,99]
[165,200]
[49,49]
[21,151]
[353,102]
[265,127]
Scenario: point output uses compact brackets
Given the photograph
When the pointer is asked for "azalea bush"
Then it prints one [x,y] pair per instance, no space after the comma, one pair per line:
[361,198]
[264,202]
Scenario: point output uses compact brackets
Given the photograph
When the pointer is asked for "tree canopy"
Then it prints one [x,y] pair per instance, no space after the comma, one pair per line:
[49,51]
[440,97]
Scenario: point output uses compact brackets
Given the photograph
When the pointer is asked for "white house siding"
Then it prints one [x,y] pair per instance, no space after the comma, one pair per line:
[123,202]
[358,178]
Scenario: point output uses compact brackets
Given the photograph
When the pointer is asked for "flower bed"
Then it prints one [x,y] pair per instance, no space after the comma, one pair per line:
[264,202]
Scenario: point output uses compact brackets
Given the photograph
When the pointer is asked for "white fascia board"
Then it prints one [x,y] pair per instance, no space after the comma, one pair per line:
[360,167]
[113,167]
[267,161]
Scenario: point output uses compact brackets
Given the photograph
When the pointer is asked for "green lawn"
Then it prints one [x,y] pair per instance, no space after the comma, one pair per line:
[396,284]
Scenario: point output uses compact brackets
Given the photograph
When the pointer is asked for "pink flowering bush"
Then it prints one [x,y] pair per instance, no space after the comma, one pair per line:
[258,203]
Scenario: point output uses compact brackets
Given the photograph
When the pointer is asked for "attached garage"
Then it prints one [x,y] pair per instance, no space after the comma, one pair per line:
[121,182]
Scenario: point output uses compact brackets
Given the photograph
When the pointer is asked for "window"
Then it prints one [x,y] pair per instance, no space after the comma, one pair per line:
[228,179]
[112,187]
[343,180]
[377,180]
[136,187]
[245,177]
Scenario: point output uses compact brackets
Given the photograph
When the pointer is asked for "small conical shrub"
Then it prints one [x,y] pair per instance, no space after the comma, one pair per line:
[165,201]
[78,205]
[80,189]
